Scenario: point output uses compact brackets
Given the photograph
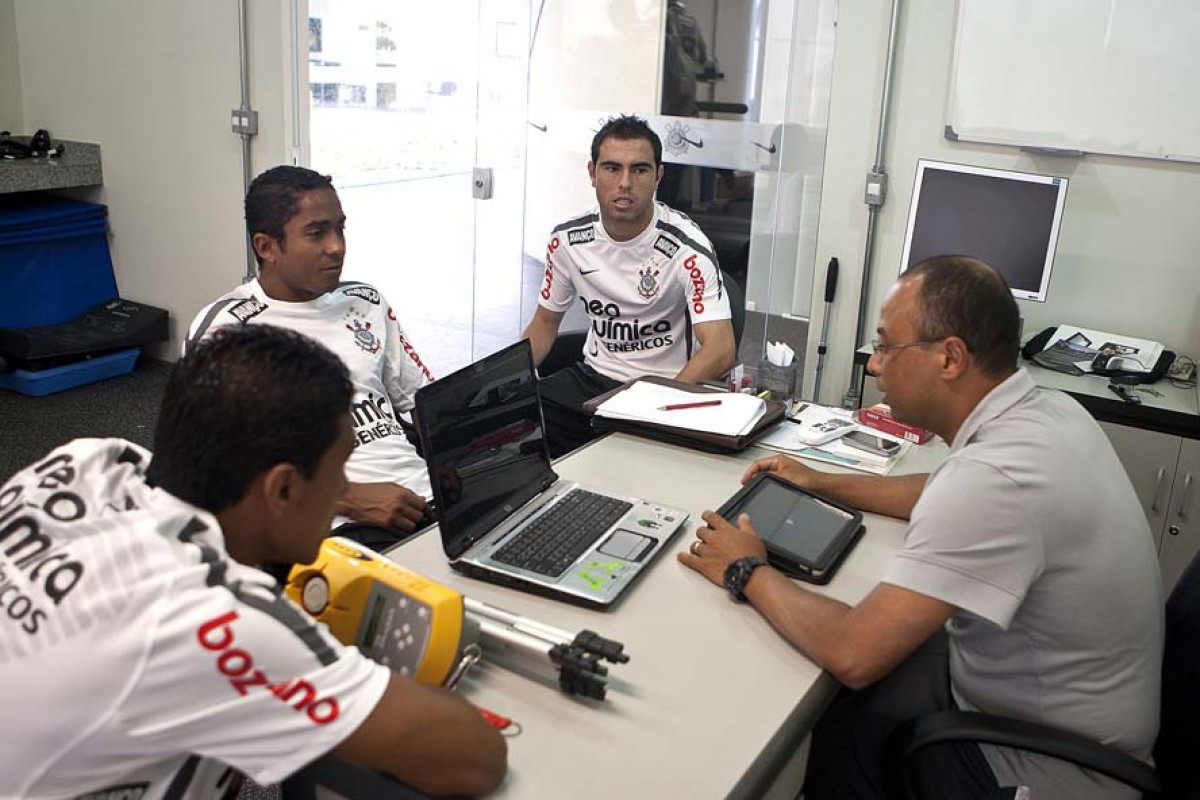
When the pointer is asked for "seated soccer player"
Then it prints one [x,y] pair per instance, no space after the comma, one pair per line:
[297,227]
[144,655]
[646,277]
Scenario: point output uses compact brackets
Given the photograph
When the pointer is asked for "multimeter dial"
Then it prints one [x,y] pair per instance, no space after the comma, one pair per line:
[315,596]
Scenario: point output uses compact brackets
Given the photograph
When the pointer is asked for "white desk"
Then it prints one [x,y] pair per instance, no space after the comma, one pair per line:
[1172,410]
[713,702]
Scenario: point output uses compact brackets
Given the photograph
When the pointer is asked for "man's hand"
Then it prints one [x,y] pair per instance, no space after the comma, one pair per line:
[787,468]
[893,495]
[720,544]
[383,504]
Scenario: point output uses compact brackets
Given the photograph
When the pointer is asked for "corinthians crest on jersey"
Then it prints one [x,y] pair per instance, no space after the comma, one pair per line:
[364,337]
[648,280]
[641,295]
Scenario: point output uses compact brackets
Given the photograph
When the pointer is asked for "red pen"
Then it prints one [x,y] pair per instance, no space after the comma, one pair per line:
[681,406]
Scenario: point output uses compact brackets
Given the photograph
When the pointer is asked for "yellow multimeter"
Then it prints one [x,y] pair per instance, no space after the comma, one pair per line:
[393,615]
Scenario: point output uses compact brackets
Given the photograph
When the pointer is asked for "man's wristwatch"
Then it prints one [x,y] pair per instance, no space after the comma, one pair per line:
[737,575]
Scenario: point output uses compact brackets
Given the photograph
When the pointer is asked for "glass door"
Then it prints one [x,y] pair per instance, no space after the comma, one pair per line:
[737,90]
[418,113]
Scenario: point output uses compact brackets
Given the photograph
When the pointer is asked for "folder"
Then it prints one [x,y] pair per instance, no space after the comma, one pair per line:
[696,440]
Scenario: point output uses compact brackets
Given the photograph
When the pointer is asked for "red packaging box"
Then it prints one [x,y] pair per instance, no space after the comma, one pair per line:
[880,418]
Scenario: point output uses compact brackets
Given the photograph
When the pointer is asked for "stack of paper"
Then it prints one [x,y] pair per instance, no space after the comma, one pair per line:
[789,437]
[723,413]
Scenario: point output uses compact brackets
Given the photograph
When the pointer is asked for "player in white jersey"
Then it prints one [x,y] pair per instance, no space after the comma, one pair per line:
[144,657]
[297,226]
[646,277]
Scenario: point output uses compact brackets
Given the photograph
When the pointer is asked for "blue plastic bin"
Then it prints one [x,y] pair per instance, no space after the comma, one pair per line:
[56,379]
[54,260]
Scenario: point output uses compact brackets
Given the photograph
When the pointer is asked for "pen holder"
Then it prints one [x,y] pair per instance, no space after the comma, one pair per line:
[779,381]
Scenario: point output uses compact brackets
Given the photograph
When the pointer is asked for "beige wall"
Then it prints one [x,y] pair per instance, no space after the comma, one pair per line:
[11,116]
[153,83]
[1127,255]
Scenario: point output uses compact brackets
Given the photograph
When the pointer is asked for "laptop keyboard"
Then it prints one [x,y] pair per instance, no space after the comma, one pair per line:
[555,539]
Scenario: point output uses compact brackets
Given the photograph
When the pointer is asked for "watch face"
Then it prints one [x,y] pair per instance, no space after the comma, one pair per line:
[730,580]
[738,573]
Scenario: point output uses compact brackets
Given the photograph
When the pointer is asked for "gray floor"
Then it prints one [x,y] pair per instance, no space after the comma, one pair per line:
[125,407]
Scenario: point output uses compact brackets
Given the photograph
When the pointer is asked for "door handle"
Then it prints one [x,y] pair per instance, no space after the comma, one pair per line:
[1158,482]
[1185,502]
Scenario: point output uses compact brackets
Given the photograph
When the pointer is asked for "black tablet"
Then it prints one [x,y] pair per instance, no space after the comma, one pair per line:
[807,536]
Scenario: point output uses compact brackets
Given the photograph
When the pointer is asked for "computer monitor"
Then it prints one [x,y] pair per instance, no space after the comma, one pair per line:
[1008,219]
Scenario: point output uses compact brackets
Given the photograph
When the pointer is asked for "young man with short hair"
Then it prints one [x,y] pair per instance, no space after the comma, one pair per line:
[1027,585]
[144,655]
[297,227]
[646,277]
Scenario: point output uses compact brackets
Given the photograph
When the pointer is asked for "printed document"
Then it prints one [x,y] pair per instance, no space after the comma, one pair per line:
[723,413]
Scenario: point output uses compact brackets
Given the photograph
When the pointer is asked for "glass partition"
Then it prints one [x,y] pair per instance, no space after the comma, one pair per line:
[408,100]
[741,93]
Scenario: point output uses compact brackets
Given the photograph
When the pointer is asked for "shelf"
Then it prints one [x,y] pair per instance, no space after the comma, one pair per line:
[79,165]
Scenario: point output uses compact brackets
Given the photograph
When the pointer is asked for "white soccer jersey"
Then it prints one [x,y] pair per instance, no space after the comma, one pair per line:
[641,296]
[141,661]
[355,322]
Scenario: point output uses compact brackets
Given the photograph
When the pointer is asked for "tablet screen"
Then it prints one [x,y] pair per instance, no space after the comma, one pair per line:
[794,521]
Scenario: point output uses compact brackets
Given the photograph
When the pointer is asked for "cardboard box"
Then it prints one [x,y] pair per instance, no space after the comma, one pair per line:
[880,418]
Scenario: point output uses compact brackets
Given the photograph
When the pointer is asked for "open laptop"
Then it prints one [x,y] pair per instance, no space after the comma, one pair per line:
[504,515]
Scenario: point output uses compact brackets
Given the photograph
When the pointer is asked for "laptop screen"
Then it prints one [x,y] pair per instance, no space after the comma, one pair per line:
[484,443]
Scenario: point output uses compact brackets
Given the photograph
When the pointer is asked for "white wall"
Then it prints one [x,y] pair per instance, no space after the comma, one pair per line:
[11,115]
[153,83]
[1127,255]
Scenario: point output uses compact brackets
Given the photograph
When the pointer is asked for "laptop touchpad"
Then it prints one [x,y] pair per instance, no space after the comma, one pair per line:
[628,545]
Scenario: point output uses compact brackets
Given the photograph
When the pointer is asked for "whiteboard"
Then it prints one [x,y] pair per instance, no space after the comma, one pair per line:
[1120,77]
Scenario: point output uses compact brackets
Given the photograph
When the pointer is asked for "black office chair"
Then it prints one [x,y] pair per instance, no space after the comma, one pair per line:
[1178,769]
[568,345]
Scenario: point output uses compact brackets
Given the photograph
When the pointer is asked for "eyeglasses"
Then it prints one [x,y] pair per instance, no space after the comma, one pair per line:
[878,348]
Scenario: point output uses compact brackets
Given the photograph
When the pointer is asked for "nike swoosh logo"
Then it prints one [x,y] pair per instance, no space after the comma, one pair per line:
[541,128]
[770,149]
[693,144]
[589,272]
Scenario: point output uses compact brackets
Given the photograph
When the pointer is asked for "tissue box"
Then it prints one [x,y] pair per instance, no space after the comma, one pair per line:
[779,381]
[880,418]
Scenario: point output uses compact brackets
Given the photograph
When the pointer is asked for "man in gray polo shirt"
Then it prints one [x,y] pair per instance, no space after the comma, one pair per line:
[1028,574]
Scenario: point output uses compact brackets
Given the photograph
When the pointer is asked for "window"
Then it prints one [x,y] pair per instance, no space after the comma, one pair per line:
[324,95]
[314,35]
